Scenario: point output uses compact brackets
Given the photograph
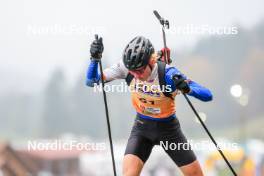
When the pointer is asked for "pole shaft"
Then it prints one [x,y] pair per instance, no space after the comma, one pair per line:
[210,135]
[107,119]
[165,46]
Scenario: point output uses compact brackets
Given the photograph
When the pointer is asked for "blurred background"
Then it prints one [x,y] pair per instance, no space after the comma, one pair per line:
[44,54]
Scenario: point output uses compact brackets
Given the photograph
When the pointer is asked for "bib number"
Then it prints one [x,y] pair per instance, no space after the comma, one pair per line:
[143,100]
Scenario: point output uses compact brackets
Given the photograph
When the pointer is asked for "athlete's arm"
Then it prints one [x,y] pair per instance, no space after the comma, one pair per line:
[200,92]
[196,90]
[116,71]
[92,75]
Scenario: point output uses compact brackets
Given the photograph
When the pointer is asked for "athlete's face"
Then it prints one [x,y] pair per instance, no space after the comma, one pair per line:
[142,73]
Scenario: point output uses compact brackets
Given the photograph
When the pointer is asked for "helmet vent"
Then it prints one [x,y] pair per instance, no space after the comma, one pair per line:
[137,53]
[136,48]
[139,40]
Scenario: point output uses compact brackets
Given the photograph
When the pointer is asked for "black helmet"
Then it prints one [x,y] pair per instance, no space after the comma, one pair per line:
[137,53]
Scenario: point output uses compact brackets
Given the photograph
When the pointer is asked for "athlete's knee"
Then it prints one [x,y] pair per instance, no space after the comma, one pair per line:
[130,172]
[132,165]
[192,169]
[194,173]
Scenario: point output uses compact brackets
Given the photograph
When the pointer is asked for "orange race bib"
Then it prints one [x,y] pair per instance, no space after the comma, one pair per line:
[148,99]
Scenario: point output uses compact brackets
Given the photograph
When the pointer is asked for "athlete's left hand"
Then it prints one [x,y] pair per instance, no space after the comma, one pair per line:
[181,84]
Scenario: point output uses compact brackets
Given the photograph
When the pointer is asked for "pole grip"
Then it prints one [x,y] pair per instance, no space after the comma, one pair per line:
[157,14]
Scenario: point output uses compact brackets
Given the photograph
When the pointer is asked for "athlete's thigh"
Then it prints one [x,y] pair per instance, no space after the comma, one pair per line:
[137,152]
[140,147]
[139,142]
[176,145]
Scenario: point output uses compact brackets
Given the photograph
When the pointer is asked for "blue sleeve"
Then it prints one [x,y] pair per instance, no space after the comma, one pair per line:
[92,75]
[197,90]
[200,92]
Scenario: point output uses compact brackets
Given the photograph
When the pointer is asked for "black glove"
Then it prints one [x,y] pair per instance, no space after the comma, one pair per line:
[181,84]
[97,48]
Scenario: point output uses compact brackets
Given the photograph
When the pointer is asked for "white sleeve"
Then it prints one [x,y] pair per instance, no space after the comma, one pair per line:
[117,71]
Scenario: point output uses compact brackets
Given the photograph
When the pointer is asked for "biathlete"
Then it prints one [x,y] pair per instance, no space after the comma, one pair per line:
[156,119]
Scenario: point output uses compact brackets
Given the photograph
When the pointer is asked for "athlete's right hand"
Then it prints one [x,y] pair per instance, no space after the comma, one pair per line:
[181,83]
[97,48]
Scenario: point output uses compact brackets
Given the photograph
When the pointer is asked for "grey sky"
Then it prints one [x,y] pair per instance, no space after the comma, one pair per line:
[27,59]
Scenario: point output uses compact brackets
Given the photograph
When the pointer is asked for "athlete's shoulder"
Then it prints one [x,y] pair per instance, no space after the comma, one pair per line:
[116,71]
[171,71]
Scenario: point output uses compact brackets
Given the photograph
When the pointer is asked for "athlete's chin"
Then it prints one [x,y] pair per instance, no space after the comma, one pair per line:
[143,79]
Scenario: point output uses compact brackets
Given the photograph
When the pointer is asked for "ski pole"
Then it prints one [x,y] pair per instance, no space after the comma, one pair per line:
[165,24]
[209,134]
[107,116]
